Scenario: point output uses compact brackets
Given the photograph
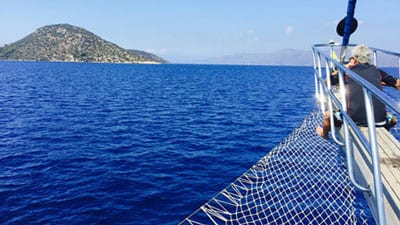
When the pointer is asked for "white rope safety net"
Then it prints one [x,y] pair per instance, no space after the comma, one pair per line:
[303,180]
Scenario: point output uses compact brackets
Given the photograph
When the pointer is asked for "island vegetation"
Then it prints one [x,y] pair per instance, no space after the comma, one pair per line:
[68,43]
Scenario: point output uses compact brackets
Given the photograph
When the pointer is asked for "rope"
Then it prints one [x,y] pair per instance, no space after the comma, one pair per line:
[303,180]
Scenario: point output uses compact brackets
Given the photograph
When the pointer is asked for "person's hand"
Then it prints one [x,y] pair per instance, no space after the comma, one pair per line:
[352,62]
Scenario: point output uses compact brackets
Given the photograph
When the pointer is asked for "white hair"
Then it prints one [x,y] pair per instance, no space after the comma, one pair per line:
[362,53]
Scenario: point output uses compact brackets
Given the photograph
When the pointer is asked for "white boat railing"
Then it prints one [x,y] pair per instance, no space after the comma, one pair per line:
[327,95]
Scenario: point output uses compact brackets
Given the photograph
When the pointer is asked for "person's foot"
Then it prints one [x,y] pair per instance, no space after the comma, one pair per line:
[320,132]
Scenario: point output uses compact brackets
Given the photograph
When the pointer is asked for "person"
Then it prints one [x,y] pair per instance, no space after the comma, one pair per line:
[360,63]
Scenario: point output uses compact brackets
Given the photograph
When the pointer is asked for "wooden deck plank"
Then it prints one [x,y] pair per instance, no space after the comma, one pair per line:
[389,153]
[389,148]
[390,159]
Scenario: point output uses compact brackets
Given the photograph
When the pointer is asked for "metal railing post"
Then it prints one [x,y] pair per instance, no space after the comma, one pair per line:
[330,104]
[375,156]
[370,91]
[347,142]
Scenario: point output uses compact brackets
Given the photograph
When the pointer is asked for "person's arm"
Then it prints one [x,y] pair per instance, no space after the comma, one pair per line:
[389,80]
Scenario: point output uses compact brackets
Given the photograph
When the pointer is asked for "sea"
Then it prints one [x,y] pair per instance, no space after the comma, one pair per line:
[92,143]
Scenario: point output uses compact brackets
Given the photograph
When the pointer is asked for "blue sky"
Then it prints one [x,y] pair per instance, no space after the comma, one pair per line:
[186,30]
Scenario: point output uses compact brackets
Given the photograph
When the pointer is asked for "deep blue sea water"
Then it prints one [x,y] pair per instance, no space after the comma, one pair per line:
[85,143]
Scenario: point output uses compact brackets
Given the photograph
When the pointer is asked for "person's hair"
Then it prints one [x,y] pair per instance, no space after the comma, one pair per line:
[362,53]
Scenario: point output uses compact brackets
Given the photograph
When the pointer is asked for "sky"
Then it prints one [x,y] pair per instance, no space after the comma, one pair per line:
[183,31]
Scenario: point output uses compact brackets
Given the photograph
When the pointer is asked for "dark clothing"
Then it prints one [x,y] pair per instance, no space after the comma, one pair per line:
[334,78]
[355,96]
[387,79]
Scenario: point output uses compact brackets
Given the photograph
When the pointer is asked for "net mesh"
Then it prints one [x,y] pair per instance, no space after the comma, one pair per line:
[303,180]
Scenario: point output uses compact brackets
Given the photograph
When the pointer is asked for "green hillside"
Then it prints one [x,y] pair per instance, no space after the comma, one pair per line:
[64,42]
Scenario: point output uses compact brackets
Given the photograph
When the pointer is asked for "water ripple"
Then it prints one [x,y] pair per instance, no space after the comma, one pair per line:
[135,144]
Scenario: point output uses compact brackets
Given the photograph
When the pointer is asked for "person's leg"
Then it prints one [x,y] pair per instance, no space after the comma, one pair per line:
[326,125]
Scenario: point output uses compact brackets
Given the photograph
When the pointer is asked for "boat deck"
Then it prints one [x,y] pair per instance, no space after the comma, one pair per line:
[389,152]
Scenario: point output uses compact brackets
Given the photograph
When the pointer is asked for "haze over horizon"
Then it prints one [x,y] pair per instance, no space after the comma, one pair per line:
[188,31]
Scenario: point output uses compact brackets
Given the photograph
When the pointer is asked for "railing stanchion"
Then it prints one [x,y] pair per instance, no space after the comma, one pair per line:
[375,156]
[369,90]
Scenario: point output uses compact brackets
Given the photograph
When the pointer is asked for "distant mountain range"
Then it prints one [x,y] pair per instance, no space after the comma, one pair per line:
[67,43]
[285,57]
